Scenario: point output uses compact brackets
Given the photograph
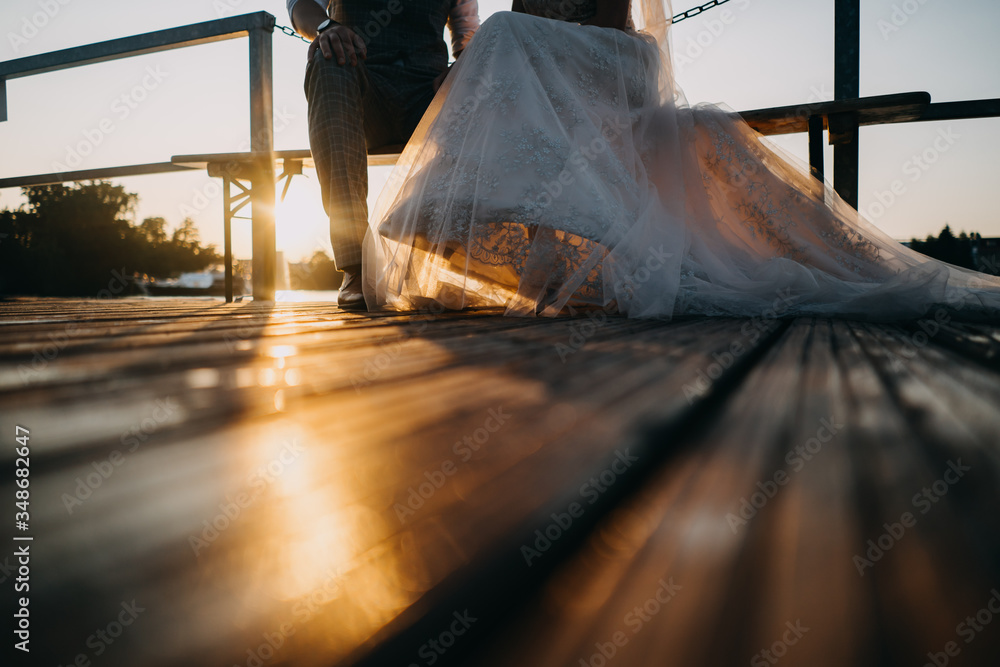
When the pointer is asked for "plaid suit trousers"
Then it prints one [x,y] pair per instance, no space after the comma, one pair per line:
[353,109]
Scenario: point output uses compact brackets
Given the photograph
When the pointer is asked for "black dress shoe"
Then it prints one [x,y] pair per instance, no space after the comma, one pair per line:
[351,297]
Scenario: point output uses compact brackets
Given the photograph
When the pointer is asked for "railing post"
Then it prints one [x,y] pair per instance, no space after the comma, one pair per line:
[262,141]
[846,86]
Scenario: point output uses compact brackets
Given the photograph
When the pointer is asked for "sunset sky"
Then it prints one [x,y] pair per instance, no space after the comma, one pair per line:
[746,54]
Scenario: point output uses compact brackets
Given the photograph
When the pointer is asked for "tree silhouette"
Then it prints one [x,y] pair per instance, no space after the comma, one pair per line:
[949,248]
[73,240]
[155,230]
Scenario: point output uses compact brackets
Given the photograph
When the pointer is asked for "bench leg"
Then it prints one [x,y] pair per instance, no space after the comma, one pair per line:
[816,147]
[227,228]
[230,207]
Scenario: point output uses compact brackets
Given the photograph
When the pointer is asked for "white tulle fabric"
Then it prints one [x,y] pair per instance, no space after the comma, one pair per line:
[560,166]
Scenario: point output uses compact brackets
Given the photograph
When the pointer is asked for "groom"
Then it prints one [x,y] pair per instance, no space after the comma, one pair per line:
[373,67]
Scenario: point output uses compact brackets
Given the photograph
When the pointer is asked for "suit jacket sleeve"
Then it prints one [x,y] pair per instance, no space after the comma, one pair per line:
[291,5]
[463,20]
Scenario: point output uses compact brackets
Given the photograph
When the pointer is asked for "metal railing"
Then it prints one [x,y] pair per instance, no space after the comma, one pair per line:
[258,27]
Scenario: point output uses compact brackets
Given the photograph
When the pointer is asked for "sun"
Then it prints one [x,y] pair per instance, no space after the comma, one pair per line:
[301,224]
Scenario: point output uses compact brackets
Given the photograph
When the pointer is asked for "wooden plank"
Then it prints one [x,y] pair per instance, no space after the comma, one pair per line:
[963,110]
[685,530]
[235,164]
[793,561]
[978,342]
[930,585]
[512,573]
[370,407]
[365,447]
[874,110]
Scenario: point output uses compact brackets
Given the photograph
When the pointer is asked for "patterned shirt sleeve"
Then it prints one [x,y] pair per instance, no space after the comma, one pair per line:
[291,5]
[463,20]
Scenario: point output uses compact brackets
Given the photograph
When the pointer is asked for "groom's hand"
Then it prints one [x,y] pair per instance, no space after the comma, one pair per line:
[339,41]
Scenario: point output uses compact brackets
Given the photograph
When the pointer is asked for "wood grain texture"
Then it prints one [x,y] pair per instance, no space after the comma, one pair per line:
[291,484]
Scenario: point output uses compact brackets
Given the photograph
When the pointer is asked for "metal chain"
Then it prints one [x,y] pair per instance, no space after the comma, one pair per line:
[677,18]
[291,33]
[694,11]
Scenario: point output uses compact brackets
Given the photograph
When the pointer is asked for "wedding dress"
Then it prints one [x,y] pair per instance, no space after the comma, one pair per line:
[560,166]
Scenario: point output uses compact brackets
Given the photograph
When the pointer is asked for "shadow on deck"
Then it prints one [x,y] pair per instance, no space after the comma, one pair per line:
[253,484]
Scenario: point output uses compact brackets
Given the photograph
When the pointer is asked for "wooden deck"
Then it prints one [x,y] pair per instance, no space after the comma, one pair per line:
[253,484]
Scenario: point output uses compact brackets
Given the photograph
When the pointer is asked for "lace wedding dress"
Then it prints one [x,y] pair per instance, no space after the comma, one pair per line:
[559,165]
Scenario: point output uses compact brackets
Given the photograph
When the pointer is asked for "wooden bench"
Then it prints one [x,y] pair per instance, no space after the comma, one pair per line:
[841,118]
[239,169]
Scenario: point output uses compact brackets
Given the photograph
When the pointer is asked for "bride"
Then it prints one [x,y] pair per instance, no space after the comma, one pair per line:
[559,166]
